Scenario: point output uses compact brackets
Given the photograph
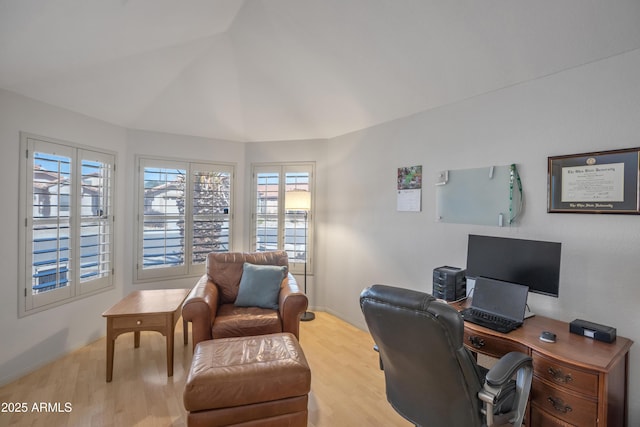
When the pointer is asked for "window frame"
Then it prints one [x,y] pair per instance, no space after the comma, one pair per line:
[283,169]
[188,268]
[76,286]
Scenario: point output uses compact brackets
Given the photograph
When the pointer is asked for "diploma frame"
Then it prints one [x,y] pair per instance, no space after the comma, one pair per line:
[598,182]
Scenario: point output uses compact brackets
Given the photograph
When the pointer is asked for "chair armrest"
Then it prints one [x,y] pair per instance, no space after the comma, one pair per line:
[292,303]
[498,380]
[200,308]
[506,367]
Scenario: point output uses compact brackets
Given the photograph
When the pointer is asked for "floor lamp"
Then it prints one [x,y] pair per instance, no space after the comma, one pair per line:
[300,200]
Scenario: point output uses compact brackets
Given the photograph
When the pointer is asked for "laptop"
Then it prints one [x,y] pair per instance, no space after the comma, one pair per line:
[497,305]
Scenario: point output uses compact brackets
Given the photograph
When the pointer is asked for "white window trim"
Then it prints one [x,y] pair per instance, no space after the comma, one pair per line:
[282,169]
[188,269]
[27,302]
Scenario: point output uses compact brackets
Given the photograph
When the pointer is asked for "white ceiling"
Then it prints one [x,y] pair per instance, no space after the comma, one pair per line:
[258,70]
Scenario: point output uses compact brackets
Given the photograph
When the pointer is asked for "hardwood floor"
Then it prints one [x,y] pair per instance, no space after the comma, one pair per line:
[347,388]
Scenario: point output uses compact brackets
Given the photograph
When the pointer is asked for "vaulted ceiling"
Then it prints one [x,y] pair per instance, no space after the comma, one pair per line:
[257,70]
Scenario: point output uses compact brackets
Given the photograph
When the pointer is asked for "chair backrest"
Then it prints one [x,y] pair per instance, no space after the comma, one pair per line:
[225,269]
[431,378]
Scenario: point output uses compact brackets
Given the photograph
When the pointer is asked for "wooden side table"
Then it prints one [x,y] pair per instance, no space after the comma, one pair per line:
[147,310]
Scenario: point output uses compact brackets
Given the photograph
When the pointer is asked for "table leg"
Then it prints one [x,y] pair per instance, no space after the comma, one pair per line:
[185,331]
[110,351]
[136,339]
[170,336]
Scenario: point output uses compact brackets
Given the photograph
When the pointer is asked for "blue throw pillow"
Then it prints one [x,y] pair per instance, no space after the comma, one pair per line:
[260,285]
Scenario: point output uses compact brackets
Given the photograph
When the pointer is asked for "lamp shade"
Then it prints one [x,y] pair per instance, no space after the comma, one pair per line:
[297,200]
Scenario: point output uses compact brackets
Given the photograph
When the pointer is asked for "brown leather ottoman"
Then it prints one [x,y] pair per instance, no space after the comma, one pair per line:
[253,381]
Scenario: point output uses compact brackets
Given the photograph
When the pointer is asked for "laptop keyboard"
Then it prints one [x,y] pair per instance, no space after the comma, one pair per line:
[488,320]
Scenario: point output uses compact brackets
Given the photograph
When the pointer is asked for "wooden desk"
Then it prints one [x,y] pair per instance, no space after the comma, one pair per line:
[577,380]
[147,310]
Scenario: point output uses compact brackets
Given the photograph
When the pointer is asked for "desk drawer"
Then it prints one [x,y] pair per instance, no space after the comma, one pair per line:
[566,376]
[561,404]
[490,345]
[540,418]
[135,322]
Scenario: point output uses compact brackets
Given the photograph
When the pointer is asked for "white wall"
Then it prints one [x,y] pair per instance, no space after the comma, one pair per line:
[591,108]
[37,339]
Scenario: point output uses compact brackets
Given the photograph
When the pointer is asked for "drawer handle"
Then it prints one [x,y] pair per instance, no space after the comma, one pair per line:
[559,376]
[559,405]
[477,342]
[138,322]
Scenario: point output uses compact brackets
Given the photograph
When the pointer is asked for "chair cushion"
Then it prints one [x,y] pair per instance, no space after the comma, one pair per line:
[234,321]
[260,285]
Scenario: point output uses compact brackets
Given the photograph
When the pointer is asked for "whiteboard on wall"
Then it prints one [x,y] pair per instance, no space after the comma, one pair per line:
[483,196]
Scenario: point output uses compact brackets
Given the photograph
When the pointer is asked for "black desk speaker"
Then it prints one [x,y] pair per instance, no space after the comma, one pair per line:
[593,330]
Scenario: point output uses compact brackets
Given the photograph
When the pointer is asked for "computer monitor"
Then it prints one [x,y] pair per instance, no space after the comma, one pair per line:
[533,263]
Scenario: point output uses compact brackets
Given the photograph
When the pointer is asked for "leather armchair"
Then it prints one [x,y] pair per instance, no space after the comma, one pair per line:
[210,304]
[431,378]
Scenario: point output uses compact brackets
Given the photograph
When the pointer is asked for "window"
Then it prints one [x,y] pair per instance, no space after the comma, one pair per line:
[180,202]
[67,233]
[276,225]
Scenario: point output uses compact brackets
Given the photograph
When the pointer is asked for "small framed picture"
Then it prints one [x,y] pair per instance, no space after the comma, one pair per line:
[598,182]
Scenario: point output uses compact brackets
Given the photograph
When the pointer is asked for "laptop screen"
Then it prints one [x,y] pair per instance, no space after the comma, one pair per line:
[501,298]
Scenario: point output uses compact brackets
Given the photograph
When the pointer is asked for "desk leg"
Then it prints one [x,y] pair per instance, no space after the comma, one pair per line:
[136,339]
[110,348]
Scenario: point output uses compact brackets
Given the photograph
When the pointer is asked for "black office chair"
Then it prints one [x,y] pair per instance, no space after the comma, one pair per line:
[431,378]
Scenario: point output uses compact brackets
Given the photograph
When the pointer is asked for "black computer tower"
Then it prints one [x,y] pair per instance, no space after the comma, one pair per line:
[449,283]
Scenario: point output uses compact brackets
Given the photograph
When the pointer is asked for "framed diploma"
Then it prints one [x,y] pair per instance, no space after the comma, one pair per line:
[600,182]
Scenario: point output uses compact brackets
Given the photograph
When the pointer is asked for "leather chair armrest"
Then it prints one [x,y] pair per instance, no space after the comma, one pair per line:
[200,308]
[292,303]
